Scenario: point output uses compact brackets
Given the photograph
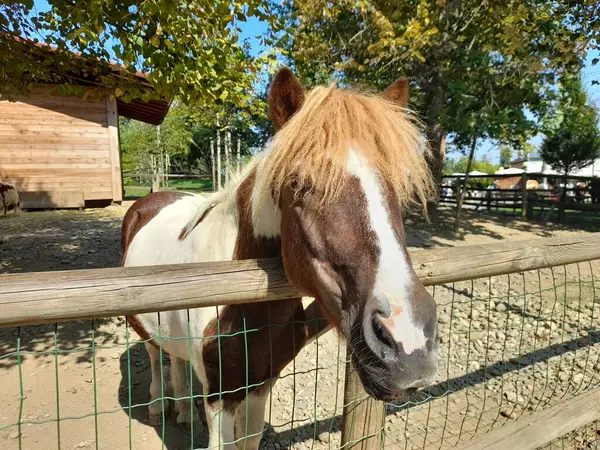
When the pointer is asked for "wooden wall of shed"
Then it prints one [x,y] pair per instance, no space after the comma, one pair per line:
[59,147]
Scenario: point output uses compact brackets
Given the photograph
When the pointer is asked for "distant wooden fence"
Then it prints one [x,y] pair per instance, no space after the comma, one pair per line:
[525,200]
[487,199]
[166,175]
[544,201]
[49,297]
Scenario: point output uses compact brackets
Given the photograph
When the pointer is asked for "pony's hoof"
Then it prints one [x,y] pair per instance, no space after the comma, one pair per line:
[155,419]
[185,424]
[155,415]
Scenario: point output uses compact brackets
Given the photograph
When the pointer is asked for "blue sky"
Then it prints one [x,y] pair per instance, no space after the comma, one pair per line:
[254,27]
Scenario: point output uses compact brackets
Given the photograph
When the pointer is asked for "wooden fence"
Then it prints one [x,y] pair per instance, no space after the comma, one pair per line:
[540,204]
[49,297]
[487,199]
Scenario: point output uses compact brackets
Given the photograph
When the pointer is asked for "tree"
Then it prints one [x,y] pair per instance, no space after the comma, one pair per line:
[567,150]
[524,150]
[460,165]
[191,48]
[573,138]
[474,66]
[506,155]
[139,140]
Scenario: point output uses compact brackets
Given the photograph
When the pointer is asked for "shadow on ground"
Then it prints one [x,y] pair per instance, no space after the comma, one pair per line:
[439,232]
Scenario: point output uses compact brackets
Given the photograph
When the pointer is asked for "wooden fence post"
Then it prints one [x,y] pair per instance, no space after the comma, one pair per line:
[530,204]
[362,425]
[524,195]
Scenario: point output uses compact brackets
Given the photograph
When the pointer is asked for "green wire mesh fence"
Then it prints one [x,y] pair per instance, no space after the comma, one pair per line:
[511,345]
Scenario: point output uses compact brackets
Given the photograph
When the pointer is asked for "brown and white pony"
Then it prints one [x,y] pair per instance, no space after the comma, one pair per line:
[326,197]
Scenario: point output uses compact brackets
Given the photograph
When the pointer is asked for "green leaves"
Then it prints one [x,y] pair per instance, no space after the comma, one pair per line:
[189,47]
[474,68]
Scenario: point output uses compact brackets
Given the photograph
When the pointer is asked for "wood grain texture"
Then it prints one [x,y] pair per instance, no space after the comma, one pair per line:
[469,262]
[37,120]
[114,148]
[363,415]
[60,162]
[52,296]
[532,431]
[51,143]
[47,297]
[18,147]
[38,117]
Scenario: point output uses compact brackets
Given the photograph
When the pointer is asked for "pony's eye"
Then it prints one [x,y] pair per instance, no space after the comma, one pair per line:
[298,187]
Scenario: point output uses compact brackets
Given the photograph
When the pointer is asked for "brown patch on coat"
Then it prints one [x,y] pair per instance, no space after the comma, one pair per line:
[6,187]
[137,217]
[340,240]
[286,96]
[398,92]
[277,330]
[185,232]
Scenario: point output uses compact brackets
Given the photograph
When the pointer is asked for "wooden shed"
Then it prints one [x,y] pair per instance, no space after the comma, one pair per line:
[62,151]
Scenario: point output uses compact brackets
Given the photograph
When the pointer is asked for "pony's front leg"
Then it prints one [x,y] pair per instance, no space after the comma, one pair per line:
[221,424]
[250,419]
[181,389]
[155,408]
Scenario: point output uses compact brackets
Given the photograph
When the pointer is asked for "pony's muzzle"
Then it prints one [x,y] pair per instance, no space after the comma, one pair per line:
[400,350]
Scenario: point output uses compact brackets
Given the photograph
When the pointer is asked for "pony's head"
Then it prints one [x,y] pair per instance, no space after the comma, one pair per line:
[340,169]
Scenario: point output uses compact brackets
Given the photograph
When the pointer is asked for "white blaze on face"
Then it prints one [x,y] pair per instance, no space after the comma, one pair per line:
[393,276]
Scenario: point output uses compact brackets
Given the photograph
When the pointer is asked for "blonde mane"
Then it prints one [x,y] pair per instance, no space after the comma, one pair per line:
[312,149]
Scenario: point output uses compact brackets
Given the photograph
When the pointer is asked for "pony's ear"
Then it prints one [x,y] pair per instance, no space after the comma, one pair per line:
[397,92]
[286,96]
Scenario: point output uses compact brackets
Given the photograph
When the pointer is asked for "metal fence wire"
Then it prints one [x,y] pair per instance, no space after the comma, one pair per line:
[511,345]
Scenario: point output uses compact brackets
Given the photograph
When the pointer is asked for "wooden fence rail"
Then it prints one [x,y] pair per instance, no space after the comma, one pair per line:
[535,430]
[47,297]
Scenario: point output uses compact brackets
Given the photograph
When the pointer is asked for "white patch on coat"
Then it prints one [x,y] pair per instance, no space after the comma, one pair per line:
[393,273]
[158,242]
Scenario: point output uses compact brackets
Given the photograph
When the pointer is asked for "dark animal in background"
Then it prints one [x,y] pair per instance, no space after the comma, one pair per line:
[9,195]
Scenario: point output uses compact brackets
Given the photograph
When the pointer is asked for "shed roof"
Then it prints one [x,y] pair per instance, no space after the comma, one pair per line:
[151,111]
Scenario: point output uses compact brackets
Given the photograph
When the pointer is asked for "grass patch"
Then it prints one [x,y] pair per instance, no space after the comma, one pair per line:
[133,192]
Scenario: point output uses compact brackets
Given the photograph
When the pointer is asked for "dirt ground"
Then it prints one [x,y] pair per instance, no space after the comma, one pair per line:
[511,345]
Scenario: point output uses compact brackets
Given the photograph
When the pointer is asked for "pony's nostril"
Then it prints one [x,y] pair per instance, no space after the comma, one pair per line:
[381,332]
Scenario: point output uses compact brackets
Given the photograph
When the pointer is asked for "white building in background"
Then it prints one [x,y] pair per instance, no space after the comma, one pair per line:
[535,164]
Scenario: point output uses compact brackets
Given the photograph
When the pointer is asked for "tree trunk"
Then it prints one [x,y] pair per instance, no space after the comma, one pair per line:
[461,194]
[436,136]
[239,158]
[437,143]
[227,156]
[212,164]
[167,167]
[218,158]
[155,178]
[563,198]
[159,159]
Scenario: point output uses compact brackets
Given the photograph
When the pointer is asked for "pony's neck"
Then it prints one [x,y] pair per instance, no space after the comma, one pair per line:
[259,219]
